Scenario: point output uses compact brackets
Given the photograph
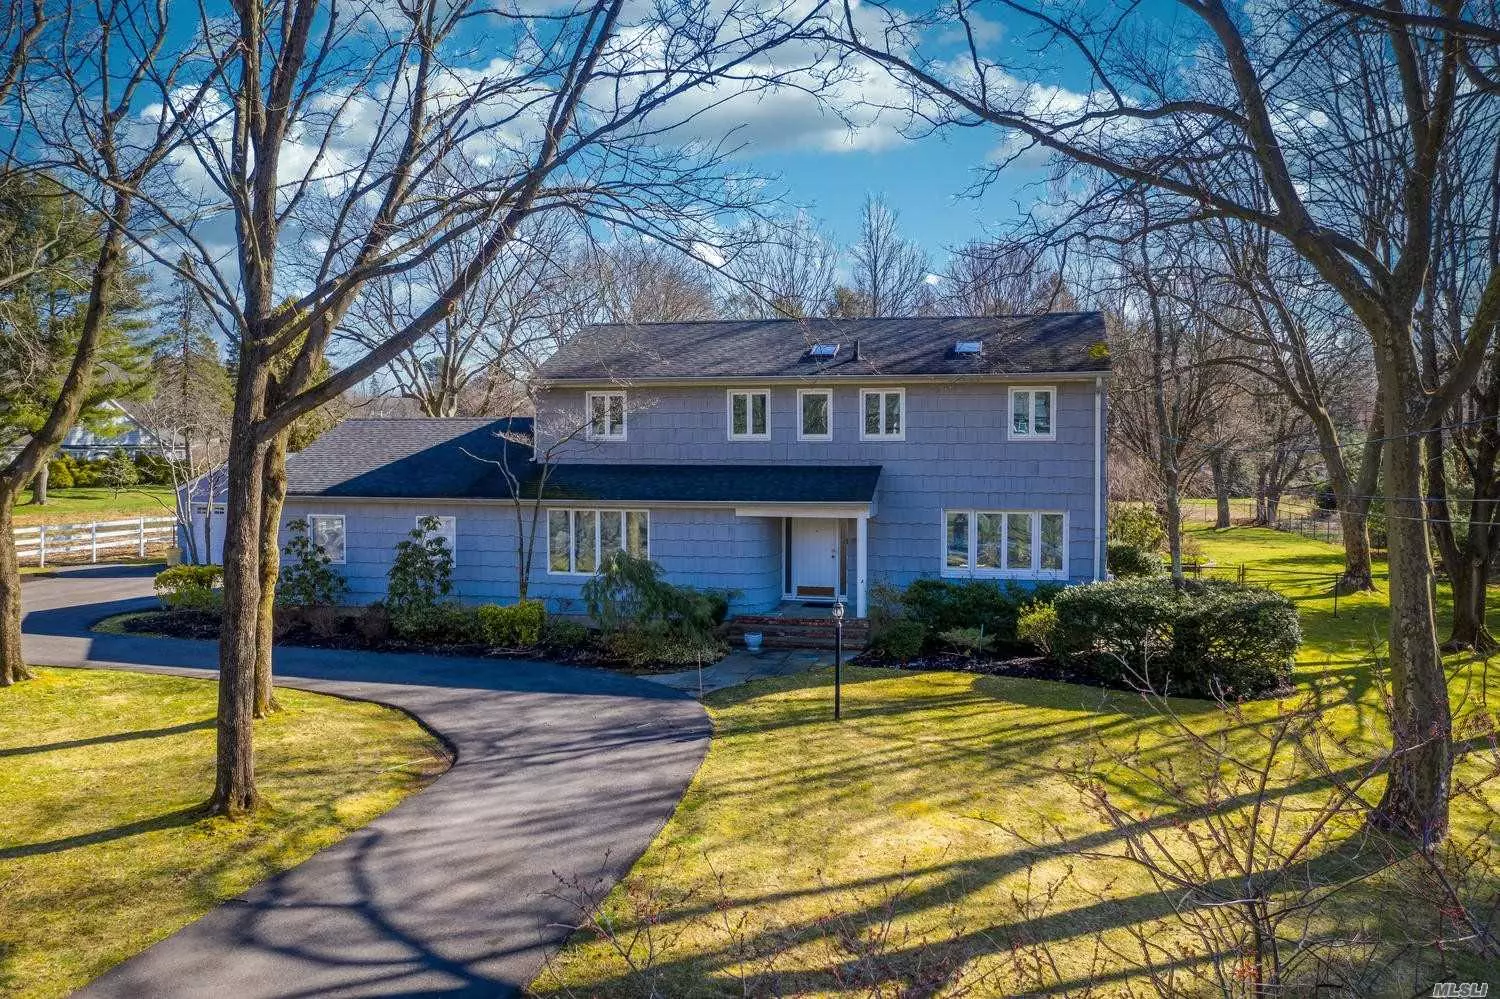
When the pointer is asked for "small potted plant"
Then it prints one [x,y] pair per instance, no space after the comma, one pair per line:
[753,640]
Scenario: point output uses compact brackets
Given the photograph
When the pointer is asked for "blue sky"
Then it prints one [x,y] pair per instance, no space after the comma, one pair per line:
[928,181]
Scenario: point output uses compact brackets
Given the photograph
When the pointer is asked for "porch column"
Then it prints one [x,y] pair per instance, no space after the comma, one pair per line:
[861,542]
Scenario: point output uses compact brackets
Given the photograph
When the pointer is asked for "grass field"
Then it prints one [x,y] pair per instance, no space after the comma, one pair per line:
[91,503]
[103,849]
[899,845]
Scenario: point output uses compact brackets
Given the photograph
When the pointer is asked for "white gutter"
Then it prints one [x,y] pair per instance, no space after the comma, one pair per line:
[829,378]
[1098,478]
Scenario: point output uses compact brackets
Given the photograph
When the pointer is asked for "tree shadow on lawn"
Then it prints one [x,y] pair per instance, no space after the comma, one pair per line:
[169,820]
[99,740]
[945,888]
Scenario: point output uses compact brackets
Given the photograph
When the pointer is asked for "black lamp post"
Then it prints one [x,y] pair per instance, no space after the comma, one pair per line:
[838,659]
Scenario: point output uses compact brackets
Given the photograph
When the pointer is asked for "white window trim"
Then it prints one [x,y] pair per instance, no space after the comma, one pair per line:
[451,537]
[827,393]
[598,532]
[1010,414]
[864,434]
[588,415]
[973,571]
[343,525]
[729,395]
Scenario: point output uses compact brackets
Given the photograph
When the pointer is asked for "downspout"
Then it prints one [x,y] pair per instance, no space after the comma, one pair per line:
[1098,478]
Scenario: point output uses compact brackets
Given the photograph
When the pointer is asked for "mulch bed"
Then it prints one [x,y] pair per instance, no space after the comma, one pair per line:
[205,625]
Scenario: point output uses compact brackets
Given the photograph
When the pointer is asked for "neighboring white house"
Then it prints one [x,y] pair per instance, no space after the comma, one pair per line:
[200,512]
[115,428]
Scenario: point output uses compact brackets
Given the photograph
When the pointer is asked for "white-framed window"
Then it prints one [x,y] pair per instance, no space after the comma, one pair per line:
[815,414]
[578,539]
[749,414]
[1014,543]
[326,530]
[447,529]
[1031,413]
[606,411]
[882,414]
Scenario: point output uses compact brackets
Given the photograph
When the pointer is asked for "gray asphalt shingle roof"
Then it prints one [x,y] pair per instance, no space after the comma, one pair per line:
[778,348]
[457,459]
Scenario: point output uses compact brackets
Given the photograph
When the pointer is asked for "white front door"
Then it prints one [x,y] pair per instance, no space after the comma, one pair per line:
[815,557]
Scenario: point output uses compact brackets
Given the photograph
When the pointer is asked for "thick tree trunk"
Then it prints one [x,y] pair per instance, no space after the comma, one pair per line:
[12,666]
[234,778]
[1470,579]
[1219,465]
[39,484]
[272,499]
[1355,528]
[1351,494]
[1415,802]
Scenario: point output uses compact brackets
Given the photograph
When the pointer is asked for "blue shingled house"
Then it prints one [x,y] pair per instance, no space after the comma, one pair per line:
[786,460]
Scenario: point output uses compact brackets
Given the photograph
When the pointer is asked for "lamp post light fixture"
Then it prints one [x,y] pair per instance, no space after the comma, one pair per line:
[838,658]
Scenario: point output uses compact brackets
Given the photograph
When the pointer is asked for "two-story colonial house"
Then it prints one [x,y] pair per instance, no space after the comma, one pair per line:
[785,460]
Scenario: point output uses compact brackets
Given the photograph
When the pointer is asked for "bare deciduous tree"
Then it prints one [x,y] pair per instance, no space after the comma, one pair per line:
[361,147]
[1325,125]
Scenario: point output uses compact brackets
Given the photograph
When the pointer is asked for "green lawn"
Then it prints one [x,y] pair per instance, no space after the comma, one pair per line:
[103,849]
[90,503]
[893,846]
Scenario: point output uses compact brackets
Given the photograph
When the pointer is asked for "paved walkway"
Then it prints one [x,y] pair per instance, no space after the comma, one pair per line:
[741,666]
[559,772]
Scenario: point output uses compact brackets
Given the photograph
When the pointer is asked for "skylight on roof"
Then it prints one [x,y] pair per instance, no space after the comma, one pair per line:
[967,347]
[823,350]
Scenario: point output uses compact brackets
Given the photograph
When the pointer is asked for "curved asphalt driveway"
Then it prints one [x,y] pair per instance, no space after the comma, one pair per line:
[559,773]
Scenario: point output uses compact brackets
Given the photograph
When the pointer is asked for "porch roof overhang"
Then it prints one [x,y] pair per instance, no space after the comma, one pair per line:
[746,487]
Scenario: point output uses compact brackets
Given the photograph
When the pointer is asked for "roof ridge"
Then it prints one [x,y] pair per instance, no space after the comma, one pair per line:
[849,319]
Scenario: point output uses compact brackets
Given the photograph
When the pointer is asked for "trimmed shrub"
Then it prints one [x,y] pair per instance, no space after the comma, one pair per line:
[60,473]
[308,578]
[446,622]
[1138,526]
[1127,561]
[1199,639]
[941,605]
[1037,625]
[190,587]
[657,646]
[515,626]
[902,639]
[564,635]
[969,641]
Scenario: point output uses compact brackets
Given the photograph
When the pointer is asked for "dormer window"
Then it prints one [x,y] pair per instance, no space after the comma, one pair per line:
[823,351]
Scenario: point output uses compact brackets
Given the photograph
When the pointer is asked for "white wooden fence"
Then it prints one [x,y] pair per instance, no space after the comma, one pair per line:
[75,542]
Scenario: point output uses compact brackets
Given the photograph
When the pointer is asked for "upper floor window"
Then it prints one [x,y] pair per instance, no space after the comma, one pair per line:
[1003,543]
[815,414]
[749,415]
[326,530]
[884,414]
[1031,413]
[606,416]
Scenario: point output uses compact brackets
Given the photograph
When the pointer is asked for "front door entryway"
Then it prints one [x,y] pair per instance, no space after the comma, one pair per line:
[813,554]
